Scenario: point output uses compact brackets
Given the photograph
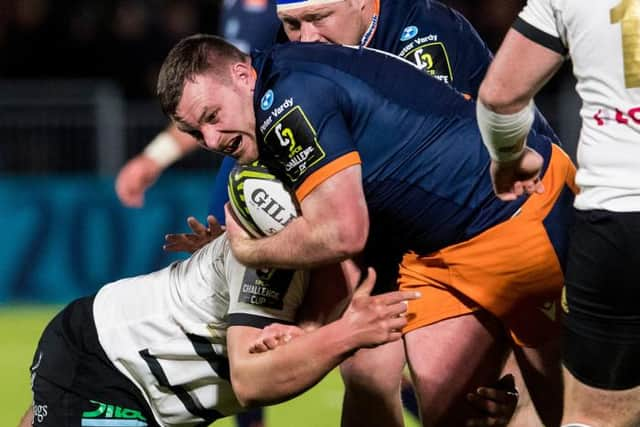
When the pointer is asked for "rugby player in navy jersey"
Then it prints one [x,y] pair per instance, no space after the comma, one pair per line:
[438,39]
[388,165]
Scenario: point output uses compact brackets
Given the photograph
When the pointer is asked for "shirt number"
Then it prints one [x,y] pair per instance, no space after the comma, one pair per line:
[627,13]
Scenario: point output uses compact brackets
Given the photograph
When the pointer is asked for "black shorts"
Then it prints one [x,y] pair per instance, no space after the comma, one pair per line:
[602,326]
[74,383]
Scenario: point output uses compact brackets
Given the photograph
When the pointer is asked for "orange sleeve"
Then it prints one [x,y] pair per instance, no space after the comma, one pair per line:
[326,171]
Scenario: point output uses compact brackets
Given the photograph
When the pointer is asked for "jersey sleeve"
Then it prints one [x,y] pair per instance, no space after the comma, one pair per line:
[305,133]
[260,297]
[540,22]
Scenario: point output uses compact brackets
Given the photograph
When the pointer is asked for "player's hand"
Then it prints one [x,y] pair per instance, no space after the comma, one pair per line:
[517,177]
[496,403]
[191,242]
[134,178]
[275,335]
[379,319]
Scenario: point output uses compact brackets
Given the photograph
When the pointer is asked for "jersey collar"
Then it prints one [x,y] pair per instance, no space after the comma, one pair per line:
[373,26]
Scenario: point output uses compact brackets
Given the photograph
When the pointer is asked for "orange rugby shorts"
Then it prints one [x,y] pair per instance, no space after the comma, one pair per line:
[511,269]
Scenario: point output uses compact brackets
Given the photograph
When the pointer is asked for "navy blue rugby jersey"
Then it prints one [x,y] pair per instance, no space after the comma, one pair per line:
[436,38]
[439,41]
[322,108]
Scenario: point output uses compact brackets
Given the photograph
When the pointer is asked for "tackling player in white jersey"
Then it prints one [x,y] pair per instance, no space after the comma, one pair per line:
[602,325]
[172,348]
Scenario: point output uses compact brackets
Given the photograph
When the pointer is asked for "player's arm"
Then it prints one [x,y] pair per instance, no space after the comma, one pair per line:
[282,373]
[329,292]
[505,112]
[334,226]
[518,71]
[140,172]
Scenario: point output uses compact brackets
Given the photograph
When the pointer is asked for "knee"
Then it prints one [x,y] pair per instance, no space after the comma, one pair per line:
[358,375]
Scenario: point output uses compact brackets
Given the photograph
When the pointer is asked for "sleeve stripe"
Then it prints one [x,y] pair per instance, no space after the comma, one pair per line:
[326,171]
[539,36]
[246,319]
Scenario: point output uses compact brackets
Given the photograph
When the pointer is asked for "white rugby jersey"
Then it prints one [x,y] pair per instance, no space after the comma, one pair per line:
[603,39]
[166,331]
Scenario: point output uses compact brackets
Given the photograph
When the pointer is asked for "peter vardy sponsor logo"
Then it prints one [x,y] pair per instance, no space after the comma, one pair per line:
[408,33]
[267,100]
[431,38]
[288,103]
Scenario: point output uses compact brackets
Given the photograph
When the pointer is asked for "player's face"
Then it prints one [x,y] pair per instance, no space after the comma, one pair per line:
[342,22]
[220,115]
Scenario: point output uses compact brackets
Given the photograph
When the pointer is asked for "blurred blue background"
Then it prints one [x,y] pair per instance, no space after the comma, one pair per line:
[63,236]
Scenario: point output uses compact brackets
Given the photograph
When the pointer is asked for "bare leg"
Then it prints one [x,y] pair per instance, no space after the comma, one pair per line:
[598,407]
[372,379]
[27,418]
[525,414]
[541,370]
[450,358]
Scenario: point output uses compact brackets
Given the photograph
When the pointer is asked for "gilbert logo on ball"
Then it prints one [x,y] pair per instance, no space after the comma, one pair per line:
[259,201]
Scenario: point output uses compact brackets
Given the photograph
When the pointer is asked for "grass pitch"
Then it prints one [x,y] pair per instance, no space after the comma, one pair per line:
[20,328]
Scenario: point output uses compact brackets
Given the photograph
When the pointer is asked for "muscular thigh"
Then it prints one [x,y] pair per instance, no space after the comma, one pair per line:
[378,368]
[451,358]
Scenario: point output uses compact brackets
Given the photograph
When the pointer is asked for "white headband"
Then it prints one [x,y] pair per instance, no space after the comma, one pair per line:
[294,4]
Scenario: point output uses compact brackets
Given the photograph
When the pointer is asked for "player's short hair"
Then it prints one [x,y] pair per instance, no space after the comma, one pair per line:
[193,56]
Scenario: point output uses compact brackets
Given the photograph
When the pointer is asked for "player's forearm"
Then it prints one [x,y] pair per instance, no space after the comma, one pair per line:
[504,135]
[280,374]
[299,245]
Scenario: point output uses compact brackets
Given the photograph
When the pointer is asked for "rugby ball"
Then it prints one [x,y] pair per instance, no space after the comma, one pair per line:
[259,200]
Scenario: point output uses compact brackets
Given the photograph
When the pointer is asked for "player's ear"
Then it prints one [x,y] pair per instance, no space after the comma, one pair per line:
[244,74]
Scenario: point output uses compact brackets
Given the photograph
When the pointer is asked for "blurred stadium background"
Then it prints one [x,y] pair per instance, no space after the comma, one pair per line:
[77,80]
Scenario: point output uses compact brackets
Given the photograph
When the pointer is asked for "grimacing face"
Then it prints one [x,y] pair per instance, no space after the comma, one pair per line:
[220,115]
[341,22]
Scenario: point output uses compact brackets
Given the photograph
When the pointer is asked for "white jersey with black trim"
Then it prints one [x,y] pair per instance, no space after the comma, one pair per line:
[166,331]
[603,40]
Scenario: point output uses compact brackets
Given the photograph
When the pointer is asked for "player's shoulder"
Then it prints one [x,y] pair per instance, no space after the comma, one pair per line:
[296,78]
[426,16]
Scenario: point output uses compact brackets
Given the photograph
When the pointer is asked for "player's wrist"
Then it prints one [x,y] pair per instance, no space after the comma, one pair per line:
[164,149]
[504,135]
[345,339]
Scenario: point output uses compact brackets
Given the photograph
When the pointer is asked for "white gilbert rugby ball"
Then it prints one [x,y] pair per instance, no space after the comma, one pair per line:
[259,200]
